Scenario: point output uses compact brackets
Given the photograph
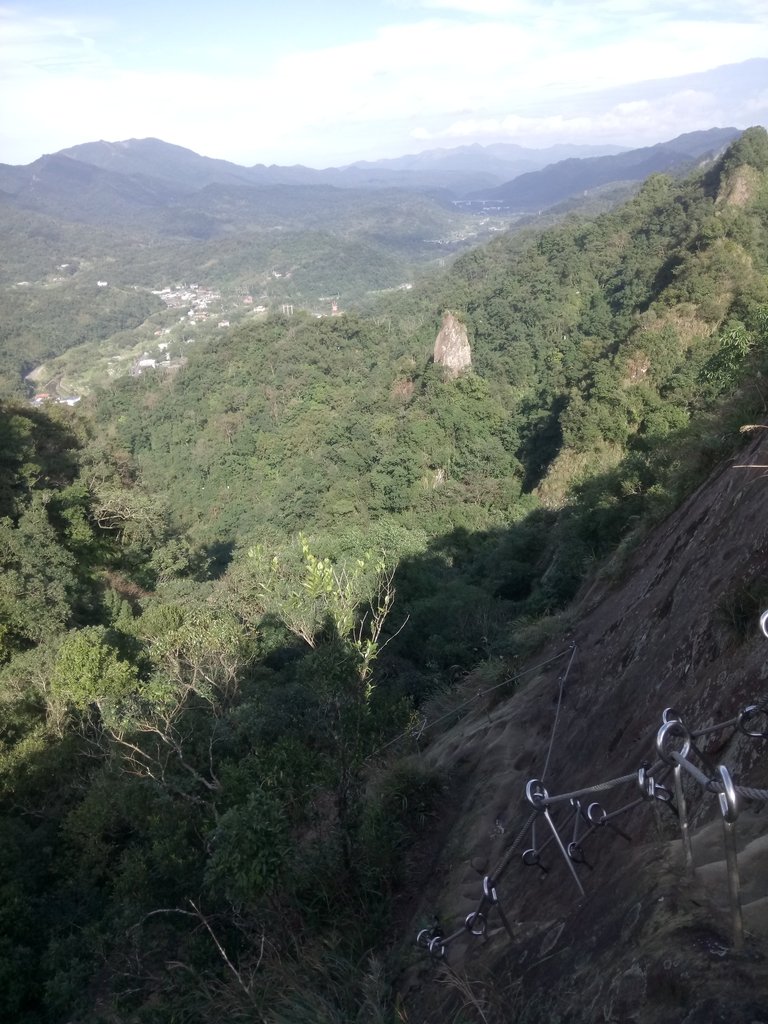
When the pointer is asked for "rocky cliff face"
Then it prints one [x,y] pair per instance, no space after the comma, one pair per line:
[452,349]
[647,941]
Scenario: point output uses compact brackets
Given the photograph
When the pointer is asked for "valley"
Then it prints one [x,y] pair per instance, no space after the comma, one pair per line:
[286,596]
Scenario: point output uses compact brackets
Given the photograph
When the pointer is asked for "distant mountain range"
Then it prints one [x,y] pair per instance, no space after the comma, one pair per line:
[458,170]
[100,182]
[567,178]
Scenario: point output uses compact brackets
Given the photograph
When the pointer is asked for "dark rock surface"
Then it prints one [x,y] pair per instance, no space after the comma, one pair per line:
[648,941]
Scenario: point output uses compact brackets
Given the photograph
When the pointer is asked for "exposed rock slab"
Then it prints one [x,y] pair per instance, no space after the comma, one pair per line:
[452,349]
[648,942]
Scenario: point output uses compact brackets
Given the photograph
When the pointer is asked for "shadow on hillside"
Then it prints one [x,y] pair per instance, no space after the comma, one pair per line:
[36,453]
[459,602]
[219,556]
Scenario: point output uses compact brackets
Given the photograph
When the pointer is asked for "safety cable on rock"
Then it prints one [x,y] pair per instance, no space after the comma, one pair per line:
[425,725]
[560,694]
[716,780]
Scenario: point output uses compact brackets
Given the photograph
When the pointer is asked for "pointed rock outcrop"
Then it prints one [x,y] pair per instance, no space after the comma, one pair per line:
[452,349]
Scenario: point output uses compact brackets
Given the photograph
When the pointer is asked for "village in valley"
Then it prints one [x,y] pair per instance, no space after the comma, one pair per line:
[159,343]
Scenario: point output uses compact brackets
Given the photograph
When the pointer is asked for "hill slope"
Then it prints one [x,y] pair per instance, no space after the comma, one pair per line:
[237,604]
[647,941]
[540,189]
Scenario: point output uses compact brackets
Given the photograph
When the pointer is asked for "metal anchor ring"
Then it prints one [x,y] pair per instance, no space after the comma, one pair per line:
[489,891]
[728,799]
[596,814]
[764,623]
[531,858]
[650,789]
[536,794]
[576,853]
[752,712]
[645,781]
[437,946]
[476,923]
[671,729]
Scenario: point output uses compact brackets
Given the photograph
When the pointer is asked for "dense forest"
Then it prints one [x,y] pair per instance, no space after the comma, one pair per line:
[226,592]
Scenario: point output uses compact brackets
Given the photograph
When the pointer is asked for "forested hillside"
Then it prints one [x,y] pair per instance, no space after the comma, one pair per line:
[224,592]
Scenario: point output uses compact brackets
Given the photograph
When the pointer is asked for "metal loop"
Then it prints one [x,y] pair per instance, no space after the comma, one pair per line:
[728,800]
[576,853]
[536,794]
[764,623]
[668,731]
[489,891]
[531,858]
[471,923]
[751,712]
[437,946]
[597,814]
[645,781]
[424,938]
[671,715]
[650,788]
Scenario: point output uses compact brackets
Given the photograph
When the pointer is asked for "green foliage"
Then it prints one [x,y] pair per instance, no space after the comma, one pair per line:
[251,850]
[187,712]
[313,596]
[400,806]
[750,148]
[31,330]
[39,583]
[720,371]
[89,670]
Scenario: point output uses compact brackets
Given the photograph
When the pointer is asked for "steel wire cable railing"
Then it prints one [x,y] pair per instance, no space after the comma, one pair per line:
[710,780]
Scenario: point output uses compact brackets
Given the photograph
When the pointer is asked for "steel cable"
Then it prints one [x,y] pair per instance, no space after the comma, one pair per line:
[560,693]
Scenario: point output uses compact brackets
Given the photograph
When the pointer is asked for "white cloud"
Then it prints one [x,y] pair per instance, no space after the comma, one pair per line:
[635,122]
[462,67]
[45,44]
[494,8]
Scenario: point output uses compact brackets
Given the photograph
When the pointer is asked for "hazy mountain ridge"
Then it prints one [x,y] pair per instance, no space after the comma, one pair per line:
[155,176]
[559,181]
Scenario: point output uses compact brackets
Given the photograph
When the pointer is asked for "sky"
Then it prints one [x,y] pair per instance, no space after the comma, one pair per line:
[328,82]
